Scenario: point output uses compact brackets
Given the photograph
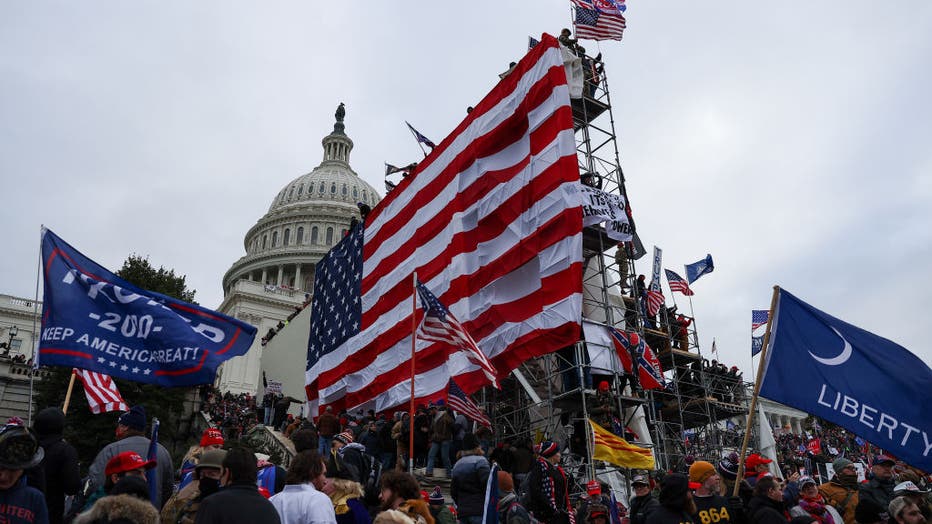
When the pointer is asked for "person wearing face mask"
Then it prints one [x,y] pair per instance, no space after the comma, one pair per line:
[131,436]
[238,500]
[841,492]
[183,506]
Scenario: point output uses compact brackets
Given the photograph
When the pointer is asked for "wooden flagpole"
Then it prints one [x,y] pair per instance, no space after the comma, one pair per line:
[753,407]
[413,351]
[68,394]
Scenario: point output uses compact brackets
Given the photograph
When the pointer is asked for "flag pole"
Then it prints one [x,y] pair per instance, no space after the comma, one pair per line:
[64,408]
[416,139]
[693,315]
[35,332]
[413,351]
[753,407]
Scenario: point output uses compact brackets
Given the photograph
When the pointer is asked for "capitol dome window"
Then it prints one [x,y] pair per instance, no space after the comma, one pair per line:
[344,190]
[300,239]
[286,238]
[321,189]
[329,236]
[265,239]
[365,197]
[291,193]
[274,238]
[355,192]
[300,189]
[333,188]
[314,235]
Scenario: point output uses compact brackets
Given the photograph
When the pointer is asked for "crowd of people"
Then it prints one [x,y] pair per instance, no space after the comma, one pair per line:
[235,415]
[352,469]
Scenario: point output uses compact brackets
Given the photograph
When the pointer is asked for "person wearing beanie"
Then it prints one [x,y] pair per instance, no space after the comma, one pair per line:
[60,464]
[510,510]
[549,499]
[841,491]
[643,503]
[676,501]
[468,480]
[708,499]
[766,506]
[438,507]
[131,436]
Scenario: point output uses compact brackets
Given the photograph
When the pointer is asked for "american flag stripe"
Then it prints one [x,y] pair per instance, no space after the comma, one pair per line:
[102,393]
[474,228]
[654,301]
[678,284]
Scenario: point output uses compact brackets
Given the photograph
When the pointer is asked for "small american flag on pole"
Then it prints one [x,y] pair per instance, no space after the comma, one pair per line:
[598,20]
[439,325]
[654,301]
[759,317]
[102,393]
[678,283]
[459,401]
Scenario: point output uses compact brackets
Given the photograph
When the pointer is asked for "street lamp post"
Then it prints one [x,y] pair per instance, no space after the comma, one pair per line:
[9,346]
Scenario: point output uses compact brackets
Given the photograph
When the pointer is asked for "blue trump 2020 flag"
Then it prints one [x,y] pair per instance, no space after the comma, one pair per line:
[94,320]
[844,374]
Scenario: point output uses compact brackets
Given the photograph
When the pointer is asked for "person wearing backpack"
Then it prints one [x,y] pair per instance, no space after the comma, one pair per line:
[841,492]
[510,511]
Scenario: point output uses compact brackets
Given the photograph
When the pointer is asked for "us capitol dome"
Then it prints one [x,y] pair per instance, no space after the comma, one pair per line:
[306,218]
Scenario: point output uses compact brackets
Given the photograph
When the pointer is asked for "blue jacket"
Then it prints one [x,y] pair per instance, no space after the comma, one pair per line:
[469,478]
[23,505]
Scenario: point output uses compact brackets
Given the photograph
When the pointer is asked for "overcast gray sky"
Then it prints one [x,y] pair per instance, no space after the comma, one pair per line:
[792,142]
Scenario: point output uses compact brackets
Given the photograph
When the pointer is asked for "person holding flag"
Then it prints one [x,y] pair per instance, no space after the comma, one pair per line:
[131,436]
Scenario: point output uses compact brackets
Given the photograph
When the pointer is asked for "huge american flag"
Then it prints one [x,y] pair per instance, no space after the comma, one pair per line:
[491,222]
[598,20]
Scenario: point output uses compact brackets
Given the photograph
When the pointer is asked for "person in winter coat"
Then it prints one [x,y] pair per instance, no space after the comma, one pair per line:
[842,491]
[401,502]
[62,476]
[812,504]
[676,501]
[127,503]
[469,477]
[239,501]
[441,440]
[510,511]
[182,507]
[643,503]
[766,506]
[878,491]
[548,496]
[130,435]
[346,495]
[19,450]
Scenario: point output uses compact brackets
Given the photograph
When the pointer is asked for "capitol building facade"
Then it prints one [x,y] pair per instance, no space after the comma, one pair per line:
[276,275]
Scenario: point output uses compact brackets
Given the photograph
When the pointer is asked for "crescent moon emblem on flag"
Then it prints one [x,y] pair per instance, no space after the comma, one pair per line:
[840,359]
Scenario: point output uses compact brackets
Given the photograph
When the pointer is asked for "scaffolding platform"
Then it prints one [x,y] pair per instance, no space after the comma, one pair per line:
[585,110]
[596,240]
[573,400]
[666,357]
[696,411]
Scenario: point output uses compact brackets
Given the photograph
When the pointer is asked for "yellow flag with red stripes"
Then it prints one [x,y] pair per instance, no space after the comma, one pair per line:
[613,449]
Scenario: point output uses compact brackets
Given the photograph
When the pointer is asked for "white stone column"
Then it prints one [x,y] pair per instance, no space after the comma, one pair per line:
[264,276]
[297,277]
[281,274]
